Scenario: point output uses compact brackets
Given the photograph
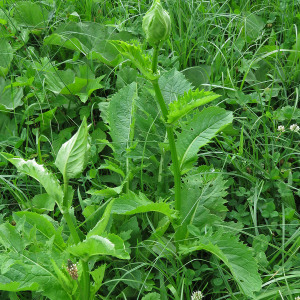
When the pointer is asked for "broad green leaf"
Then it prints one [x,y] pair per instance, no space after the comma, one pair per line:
[102,223]
[121,119]
[6,56]
[45,119]
[43,226]
[40,173]
[6,126]
[78,36]
[96,245]
[31,14]
[10,97]
[197,132]
[108,192]
[24,270]
[43,201]
[137,57]
[129,204]
[173,84]
[66,82]
[10,238]
[203,202]
[190,100]
[98,275]
[237,257]
[252,25]
[71,43]
[126,76]
[106,53]
[152,296]
[57,80]
[71,159]
[197,75]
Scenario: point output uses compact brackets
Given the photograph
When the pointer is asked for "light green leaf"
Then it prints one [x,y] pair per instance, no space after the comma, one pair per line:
[190,100]
[129,204]
[197,132]
[121,119]
[236,255]
[173,84]
[71,43]
[198,75]
[102,223]
[108,192]
[135,54]
[31,14]
[152,296]
[203,205]
[24,270]
[72,157]
[40,173]
[6,56]
[96,245]
[98,275]
[10,97]
[106,53]
[78,36]
[43,202]
[43,226]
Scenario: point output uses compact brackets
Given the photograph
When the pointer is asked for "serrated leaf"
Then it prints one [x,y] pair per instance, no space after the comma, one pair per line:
[24,270]
[96,245]
[237,256]
[121,119]
[72,157]
[135,54]
[197,132]
[47,179]
[43,226]
[190,100]
[129,204]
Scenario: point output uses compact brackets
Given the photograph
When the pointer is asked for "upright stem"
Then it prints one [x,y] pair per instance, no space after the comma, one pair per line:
[155,59]
[85,289]
[170,133]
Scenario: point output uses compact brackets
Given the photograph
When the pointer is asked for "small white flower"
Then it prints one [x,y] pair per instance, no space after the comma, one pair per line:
[197,295]
[298,297]
[295,128]
[281,128]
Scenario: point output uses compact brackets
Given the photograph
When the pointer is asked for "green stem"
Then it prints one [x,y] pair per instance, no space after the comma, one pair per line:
[170,133]
[85,290]
[155,59]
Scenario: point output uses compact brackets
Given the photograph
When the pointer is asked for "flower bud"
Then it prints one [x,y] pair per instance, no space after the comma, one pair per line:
[156,24]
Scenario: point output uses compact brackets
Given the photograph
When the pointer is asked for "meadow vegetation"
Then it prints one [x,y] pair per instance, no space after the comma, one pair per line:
[140,168]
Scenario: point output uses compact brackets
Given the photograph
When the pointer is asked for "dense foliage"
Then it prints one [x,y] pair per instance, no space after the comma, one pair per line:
[138,165]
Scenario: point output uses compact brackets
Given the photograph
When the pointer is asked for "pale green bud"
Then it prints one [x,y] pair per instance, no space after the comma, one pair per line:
[156,24]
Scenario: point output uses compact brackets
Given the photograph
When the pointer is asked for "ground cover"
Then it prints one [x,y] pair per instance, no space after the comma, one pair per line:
[149,156]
